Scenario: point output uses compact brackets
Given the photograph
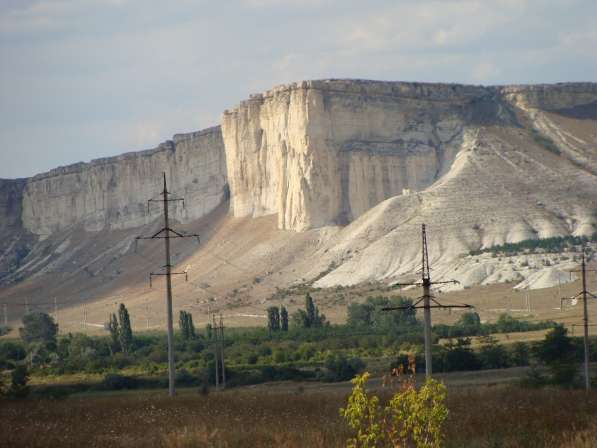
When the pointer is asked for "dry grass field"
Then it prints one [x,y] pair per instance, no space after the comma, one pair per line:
[501,416]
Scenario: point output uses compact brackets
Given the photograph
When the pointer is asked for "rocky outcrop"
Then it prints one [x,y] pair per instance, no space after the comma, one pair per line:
[323,152]
[551,97]
[113,192]
[15,241]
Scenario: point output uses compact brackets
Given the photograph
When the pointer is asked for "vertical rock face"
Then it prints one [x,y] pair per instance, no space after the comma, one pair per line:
[113,192]
[11,196]
[16,241]
[323,152]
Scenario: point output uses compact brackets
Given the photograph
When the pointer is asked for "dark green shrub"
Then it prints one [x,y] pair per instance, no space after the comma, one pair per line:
[113,381]
[341,368]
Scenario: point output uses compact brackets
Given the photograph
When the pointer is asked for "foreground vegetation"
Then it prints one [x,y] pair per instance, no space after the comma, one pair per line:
[304,348]
[481,417]
[307,349]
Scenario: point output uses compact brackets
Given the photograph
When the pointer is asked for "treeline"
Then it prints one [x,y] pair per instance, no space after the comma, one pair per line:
[554,360]
[470,324]
[304,346]
[554,244]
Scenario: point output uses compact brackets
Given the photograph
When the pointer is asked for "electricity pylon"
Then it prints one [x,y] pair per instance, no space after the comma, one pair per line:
[166,233]
[426,298]
[584,293]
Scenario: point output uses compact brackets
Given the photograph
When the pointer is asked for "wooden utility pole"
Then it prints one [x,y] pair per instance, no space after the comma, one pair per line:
[584,293]
[222,352]
[426,298]
[166,233]
[56,311]
[216,354]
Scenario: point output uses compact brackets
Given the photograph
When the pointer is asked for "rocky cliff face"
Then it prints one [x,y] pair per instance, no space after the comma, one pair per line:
[105,195]
[551,97]
[15,242]
[324,152]
[113,192]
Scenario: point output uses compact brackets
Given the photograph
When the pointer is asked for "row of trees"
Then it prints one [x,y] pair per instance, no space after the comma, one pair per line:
[120,329]
[370,314]
[555,244]
[187,328]
[310,317]
[277,318]
[470,324]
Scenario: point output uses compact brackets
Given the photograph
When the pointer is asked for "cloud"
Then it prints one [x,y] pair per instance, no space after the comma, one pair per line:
[83,79]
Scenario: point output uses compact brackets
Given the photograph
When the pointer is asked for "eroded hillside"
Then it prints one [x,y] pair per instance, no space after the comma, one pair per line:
[328,182]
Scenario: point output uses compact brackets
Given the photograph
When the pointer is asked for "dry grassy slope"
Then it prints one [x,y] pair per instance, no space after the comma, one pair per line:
[502,187]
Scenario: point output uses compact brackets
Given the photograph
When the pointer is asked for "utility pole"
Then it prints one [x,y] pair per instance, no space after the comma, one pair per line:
[216,336]
[222,352]
[84,315]
[5,315]
[426,298]
[584,293]
[56,311]
[166,233]
[147,315]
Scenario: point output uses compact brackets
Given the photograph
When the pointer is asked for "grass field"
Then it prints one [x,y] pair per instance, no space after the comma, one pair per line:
[289,416]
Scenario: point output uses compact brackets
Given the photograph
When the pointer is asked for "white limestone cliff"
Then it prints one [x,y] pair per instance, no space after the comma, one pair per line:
[113,192]
[324,152]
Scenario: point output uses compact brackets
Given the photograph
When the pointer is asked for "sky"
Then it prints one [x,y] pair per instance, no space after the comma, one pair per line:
[84,79]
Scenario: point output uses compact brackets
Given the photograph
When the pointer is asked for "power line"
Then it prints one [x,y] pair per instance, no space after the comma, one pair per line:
[426,298]
[584,293]
[166,233]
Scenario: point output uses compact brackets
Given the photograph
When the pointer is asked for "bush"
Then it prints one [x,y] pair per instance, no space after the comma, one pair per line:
[341,369]
[184,378]
[10,353]
[413,418]
[113,381]
[19,379]
[53,392]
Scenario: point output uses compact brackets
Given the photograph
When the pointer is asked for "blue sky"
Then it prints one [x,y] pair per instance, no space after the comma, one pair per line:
[82,79]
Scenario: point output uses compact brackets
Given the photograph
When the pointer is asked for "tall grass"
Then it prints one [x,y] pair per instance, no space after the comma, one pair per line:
[483,417]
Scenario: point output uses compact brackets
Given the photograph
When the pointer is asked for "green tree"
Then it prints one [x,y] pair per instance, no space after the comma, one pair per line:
[520,354]
[469,319]
[19,379]
[273,318]
[283,318]
[311,310]
[493,355]
[371,314]
[557,352]
[460,356]
[209,333]
[126,332]
[41,328]
[183,323]
[114,329]
[191,326]
[310,316]
[186,325]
